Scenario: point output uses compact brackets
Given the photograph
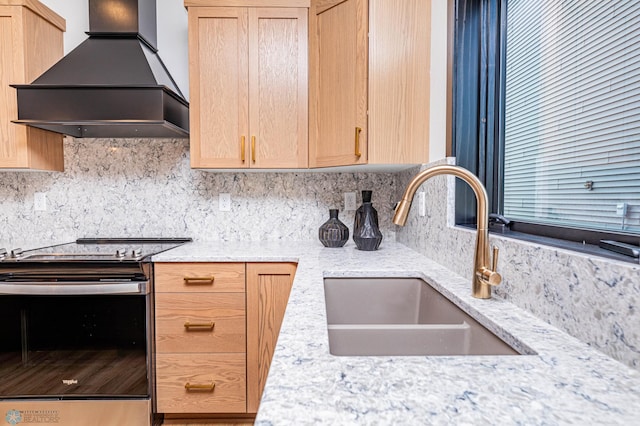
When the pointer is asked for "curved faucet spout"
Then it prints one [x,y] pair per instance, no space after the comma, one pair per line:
[484,275]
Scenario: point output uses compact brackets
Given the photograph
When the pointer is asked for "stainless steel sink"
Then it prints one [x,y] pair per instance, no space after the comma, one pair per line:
[401,316]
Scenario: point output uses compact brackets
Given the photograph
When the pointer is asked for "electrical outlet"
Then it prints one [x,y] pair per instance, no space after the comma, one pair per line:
[349,201]
[40,202]
[422,204]
[224,202]
[621,209]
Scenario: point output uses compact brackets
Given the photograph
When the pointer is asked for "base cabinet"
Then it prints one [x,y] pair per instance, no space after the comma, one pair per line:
[206,383]
[216,327]
[268,288]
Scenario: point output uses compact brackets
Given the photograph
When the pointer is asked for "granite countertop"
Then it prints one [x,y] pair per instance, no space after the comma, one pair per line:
[567,382]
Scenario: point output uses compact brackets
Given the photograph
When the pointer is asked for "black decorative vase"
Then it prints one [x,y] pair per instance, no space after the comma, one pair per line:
[366,232]
[333,233]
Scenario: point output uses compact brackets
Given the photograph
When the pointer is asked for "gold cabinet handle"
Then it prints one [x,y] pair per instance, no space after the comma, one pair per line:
[358,153]
[199,325]
[199,280]
[206,387]
[242,148]
[253,149]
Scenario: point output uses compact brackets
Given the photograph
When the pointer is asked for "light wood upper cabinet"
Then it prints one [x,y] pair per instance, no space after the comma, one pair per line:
[338,83]
[369,82]
[30,43]
[219,86]
[248,76]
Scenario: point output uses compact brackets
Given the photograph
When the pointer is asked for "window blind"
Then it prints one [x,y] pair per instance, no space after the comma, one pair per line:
[572,113]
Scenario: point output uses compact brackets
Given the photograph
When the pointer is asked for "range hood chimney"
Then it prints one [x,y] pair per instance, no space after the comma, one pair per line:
[112,85]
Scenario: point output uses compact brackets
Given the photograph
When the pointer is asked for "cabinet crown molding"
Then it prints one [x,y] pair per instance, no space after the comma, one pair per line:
[40,9]
[245,3]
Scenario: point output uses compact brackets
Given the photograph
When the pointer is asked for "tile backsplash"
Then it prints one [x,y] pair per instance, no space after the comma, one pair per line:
[130,188]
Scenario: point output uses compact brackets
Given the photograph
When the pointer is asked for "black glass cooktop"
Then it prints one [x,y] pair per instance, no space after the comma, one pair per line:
[97,250]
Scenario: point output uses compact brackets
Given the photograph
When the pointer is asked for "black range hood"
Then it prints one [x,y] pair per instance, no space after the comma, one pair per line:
[112,85]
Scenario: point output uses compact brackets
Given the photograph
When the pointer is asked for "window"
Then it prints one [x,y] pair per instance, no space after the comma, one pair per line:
[572,114]
[546,112]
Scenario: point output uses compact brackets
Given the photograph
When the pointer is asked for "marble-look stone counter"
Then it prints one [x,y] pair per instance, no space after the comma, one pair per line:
[566,382]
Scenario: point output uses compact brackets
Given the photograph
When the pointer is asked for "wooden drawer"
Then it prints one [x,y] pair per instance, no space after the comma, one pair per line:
[226,371]
[225,311]
[200,277]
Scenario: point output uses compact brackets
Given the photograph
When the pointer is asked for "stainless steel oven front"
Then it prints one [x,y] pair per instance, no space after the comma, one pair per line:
[76,353]
[76,333]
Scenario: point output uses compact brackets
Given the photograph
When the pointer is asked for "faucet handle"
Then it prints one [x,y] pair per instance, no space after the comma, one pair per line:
[491,276]
[494,260]
[494,277]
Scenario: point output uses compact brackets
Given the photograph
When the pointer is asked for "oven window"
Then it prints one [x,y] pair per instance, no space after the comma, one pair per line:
[73,346]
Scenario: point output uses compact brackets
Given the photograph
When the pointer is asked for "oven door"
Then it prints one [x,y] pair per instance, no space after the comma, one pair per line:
[74,344]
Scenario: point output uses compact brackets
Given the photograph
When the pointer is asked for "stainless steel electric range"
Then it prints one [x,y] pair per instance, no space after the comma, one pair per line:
[76,332]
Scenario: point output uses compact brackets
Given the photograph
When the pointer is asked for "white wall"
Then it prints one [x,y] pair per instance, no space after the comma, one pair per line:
[438,101]
[172,33]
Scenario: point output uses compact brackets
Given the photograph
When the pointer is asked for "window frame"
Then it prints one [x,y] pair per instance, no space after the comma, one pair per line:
[478,70]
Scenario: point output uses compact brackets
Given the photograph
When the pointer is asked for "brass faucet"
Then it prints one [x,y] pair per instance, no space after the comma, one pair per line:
[483,277]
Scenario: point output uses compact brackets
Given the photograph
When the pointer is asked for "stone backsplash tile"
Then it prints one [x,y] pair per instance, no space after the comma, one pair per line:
[130,188]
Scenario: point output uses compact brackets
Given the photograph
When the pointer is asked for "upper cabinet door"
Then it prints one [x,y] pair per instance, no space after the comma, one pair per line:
[369,82]
[30,43]
[399,81]
[338,81]
[219,87]
[249,100]
[278,99]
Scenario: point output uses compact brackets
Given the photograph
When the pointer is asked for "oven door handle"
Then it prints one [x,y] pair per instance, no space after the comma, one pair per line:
[73,289]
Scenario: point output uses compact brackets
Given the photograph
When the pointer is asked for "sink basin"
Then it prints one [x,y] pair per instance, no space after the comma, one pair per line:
[401,316]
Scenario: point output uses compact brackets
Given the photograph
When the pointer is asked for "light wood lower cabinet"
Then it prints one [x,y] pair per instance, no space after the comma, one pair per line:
[202,383]
[200,322]
[268,288]
[200,277]
[216,329]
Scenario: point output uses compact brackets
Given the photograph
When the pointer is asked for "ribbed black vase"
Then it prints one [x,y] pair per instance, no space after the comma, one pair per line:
[333,233]
[366,232]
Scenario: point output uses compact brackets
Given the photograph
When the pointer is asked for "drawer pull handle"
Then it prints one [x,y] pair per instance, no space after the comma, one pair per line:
[242,148]
[199,280]
[204,387]
[199,325]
